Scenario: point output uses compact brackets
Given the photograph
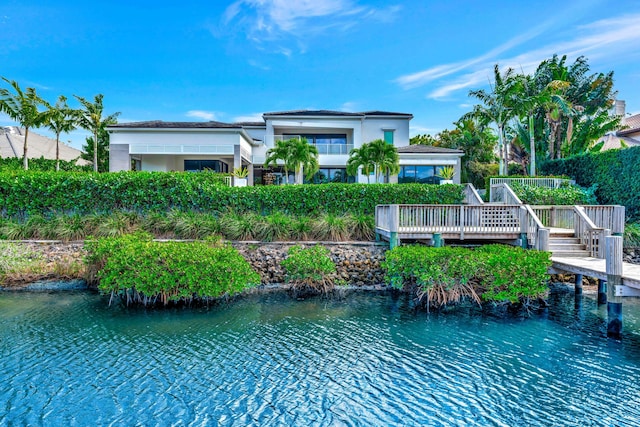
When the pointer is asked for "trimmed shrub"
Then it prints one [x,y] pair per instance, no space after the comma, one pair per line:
[614,171]
[442,276]
[309,270]
[144,192]
[14,164]
[569,195]
[142,271]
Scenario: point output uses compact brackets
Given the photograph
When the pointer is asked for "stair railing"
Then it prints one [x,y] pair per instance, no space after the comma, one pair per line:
[590,235]
[537,233]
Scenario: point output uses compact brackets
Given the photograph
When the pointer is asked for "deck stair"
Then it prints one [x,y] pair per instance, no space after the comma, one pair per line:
[563,243]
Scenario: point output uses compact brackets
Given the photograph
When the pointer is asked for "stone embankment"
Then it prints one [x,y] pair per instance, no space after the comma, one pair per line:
[357,263]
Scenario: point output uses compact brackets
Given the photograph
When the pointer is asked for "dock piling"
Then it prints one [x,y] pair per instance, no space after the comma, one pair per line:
[613,254]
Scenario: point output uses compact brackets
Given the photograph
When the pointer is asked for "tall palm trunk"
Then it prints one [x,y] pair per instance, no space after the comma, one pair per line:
[501,167]
[25,160]
[57,152]
[95,152]
[532,147]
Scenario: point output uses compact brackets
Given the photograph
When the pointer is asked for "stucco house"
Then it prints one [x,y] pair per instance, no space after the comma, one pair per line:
[628,136]
[195,146]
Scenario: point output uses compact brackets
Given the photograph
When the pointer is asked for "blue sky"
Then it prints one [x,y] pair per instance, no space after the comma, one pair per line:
[232,60]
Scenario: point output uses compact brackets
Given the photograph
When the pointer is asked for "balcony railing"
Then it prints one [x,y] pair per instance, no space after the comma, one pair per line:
[323,149]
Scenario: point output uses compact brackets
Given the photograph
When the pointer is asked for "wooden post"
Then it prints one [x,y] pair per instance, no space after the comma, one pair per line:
[543,239]
[613,259]
[618,221]
[394,225]
[524,225]
[602,291]
[578,284]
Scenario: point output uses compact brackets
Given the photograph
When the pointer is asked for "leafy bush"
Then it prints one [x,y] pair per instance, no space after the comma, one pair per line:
[569,195]
[632,235]
[309,269]
[490,273]
[14,164]
[143,271]
[144,192]
[614,172]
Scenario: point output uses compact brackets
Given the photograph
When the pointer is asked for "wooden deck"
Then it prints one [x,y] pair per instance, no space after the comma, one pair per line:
[594,267]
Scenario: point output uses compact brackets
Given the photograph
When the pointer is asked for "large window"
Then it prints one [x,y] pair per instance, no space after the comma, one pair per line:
[419,174]
[328,143]
[205,165]
[326,175]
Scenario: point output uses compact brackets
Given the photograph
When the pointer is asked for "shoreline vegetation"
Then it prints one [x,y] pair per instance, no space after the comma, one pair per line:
[185,273]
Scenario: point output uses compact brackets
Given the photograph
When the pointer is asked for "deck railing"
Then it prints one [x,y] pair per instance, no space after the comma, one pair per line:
[471,196]
[535,182]
[537,233]
[589,233]
[493,220]
[555,216]
[502,193]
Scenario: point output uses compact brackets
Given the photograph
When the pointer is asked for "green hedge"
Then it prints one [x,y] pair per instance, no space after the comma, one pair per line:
[45,193]
[489,273]
[143,271]
[14,164]
[569,195]
[615,172]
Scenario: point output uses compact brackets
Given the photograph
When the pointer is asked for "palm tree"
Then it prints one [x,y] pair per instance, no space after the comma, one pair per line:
[90,118]
[528,101]
[303,157]
[23,108]
[497,108]
[385,158]
[360,157]
[281,151]
[60,118]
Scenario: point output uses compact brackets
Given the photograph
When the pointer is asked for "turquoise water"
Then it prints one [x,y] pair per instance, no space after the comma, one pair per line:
[367,359]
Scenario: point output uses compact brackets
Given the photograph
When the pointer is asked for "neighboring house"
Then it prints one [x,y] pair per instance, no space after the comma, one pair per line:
[194,146]
[629,136]
[12,145]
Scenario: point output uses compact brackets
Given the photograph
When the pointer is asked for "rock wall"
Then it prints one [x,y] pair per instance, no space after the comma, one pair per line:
[358,264]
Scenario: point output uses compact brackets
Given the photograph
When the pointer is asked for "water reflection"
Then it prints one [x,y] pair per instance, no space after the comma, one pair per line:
[366,359]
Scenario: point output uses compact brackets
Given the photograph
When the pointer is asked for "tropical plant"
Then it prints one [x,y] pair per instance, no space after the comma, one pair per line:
[23,107]
[384,157]
[60,119]
[310,269]
[497,108]
[304,158]
[447,172]
[90,117]
[240,172]
[361,157]
[166,271]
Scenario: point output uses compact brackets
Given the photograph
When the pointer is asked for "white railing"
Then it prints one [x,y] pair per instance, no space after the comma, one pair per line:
[179,149]
[227,181]
[498,221]
[589,233]
[534,182]
[609,217]
[555,216]
[502,193]
[323,149]
[471,196]
[537,233]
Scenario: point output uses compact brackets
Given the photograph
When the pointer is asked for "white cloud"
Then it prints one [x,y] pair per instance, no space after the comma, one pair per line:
[605,40]
[265,21]
[253,117]
[348,106]
[201,114]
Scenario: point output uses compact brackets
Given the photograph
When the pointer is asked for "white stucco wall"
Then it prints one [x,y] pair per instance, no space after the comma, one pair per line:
[373,128]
